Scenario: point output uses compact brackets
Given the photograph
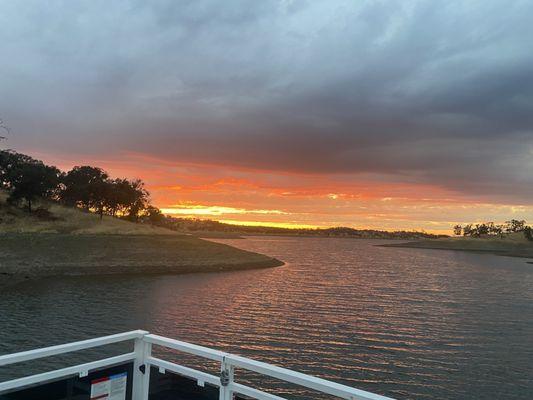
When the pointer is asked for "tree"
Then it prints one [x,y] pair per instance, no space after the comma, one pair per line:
[7,162]
[457,230]
[85,187]
[99,196]
[10,164]
[515,225]
[154,215]
[30,181]
[467,230]
[119,197]
[497,230]
[528,233]
[137,199]
[481,229]
[91,188]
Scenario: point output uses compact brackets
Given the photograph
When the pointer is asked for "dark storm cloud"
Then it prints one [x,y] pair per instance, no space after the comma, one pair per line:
[436,92]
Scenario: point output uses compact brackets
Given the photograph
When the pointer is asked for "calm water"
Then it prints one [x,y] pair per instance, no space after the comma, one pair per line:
[411,324]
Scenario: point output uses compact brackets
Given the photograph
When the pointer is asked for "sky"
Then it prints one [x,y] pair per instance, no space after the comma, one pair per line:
[370,114]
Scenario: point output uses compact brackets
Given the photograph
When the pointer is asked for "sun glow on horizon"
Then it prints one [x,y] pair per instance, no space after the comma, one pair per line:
[203,210]
[288,225]
[289,200]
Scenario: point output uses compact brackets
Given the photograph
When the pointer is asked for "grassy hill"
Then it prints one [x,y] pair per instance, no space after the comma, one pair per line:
[67,241]
[60,219]
[513,244]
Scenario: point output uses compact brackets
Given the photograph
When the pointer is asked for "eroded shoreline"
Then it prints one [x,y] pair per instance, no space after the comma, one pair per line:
[33,256]
[509,248]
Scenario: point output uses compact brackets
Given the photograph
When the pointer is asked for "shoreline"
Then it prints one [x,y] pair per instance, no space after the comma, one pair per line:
[25,257]
[498,247]
[241,235]
[8,280]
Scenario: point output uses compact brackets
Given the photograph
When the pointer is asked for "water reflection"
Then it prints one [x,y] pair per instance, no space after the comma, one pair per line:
[417,324]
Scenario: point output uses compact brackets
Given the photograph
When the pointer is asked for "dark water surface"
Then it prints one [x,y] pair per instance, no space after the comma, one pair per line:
[408,323]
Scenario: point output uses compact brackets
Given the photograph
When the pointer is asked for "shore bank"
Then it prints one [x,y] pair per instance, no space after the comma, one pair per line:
[34,256]
[215,235]
[512,247]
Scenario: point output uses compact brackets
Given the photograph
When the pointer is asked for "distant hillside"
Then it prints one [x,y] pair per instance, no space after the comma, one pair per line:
[209,228]
[510,244]
[55,218]
[55,240]
[52,217]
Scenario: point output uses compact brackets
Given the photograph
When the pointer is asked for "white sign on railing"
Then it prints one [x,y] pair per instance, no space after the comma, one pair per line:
[110,387]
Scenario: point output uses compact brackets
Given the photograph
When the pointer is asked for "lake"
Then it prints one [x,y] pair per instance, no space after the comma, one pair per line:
[407,323]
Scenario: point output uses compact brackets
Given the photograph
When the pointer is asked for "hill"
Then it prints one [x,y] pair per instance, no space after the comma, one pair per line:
[59,241]
[212,229]
[55,218]
[513,244]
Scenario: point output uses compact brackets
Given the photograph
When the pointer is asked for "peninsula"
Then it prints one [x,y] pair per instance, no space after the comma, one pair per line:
[512,244]
[69,241]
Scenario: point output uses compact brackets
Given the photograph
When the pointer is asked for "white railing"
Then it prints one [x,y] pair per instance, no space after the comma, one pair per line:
[143,359]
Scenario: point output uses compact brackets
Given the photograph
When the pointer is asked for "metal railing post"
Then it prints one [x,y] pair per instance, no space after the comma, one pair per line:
[141,371]
[227,372]
[146,375]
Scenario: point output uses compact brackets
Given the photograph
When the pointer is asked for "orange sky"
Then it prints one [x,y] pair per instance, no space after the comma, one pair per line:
[244,196]
[387,115]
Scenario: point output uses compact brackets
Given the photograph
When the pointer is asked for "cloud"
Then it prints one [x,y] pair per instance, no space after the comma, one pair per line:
[205,210]
[413,92]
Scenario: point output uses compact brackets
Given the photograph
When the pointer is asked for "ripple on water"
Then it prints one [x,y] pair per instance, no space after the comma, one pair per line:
[411,324]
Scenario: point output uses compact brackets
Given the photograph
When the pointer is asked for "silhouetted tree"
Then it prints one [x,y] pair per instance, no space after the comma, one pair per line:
[100,193]
[515,225]
[481,229]
[528,233]
[116,200]
[84,187]
[137,197]
[10,166]
[457,230]
[497,230]
[154,215]
[490,228]
[467,230]
[7,163]
[30,181]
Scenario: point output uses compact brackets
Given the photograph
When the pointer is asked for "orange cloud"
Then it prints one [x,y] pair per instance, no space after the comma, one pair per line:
[244,196]
[197,209]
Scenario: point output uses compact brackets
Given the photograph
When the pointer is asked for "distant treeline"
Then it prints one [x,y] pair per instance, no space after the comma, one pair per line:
[492,229]
[202,225]
[27,180]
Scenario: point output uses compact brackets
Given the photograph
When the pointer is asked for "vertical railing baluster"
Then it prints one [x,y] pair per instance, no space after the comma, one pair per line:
[227,374]
[137,374]
[147,366]
[141,370]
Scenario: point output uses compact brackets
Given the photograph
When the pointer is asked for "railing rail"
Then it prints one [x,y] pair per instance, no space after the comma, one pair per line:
[69,347]
[143,361]
[81,370]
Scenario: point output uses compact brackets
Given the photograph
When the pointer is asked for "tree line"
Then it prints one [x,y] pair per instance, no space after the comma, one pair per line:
[206,225]
[27,180]
[492,229]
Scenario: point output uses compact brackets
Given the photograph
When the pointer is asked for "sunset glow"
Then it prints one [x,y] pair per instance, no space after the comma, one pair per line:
[319,118]
[340,187]
[203,210]
[287,225]
[242,196]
